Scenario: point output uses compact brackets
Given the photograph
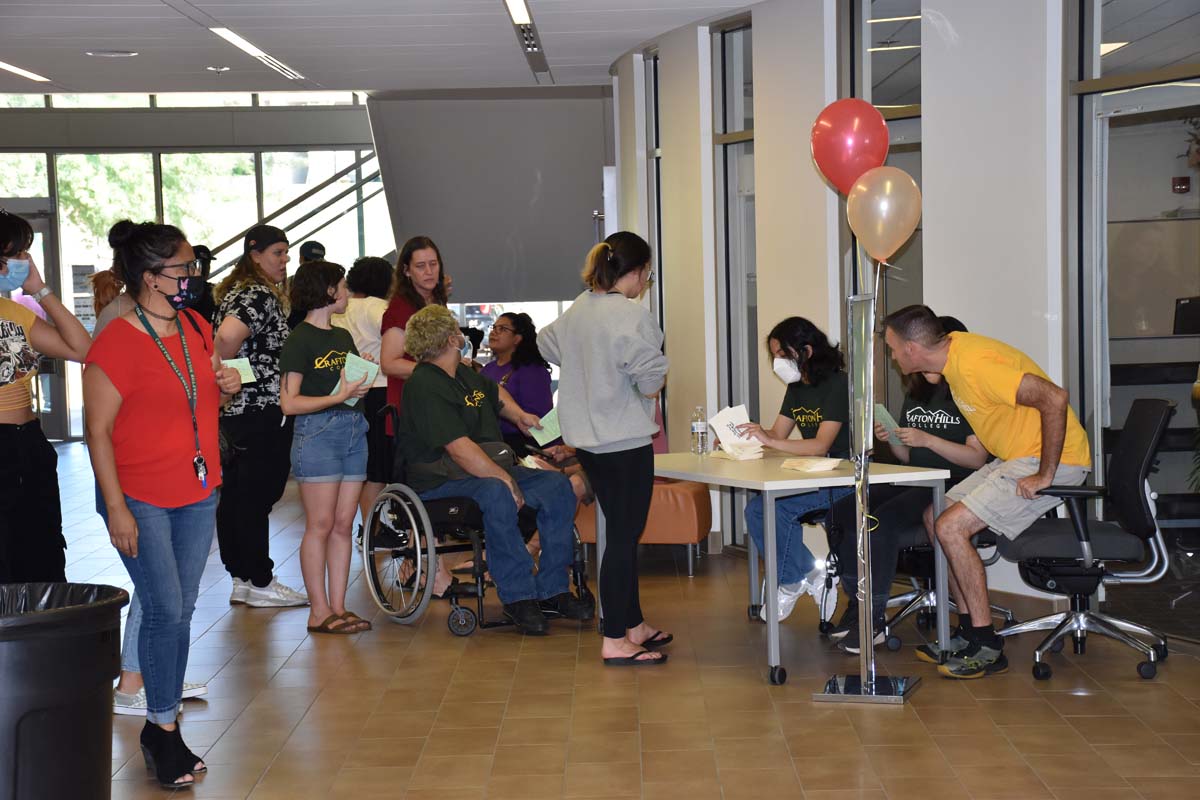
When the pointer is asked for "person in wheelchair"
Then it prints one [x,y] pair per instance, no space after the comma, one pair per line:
[452,447]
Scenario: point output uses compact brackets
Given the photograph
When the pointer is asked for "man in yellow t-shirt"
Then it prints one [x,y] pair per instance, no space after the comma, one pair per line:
[1022,418]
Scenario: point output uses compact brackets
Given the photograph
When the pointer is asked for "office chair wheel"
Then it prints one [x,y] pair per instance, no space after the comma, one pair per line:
[462,621]
[752,612]
[893,643]
[777,676]
[1057,647]
[1161,652]
[1042,671]
[1147,669]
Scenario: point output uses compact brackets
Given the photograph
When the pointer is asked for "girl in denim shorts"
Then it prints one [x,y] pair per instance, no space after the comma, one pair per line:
[329,448]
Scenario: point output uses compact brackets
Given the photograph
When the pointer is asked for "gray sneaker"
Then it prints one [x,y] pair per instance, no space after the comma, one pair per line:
[241,590]
[275,595]
[134,705]
[975,661]
[930,654]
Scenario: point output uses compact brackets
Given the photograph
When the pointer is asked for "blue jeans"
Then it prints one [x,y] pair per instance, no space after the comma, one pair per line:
[133,622]
[795,560]
[173,545]
[508,560]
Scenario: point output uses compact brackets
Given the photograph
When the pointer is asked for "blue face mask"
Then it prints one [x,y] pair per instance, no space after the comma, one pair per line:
[467,348]
[18,272]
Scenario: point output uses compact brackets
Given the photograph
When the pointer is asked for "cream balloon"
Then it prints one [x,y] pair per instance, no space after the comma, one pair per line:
[883,209]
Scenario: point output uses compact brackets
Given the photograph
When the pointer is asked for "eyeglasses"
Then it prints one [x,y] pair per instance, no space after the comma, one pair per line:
[193,267]
[504,329]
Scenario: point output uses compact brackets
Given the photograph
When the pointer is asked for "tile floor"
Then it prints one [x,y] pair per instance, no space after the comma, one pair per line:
[414,712]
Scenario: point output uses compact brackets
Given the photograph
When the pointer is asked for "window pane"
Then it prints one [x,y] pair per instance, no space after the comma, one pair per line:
[22,101]
[23,175]
[1145,36]
[210,196]
[101,100]
[202,99]
[306,98]
[738,83]
[95,191]
[379,240]
[893,41]
[287,176]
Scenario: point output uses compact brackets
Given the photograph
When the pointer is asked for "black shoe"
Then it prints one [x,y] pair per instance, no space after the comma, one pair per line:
[850,642]
[527,617]
[849,618]
[167,757]
[569,606]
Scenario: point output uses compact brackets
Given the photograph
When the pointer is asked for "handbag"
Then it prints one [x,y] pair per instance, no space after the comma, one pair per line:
[447,469]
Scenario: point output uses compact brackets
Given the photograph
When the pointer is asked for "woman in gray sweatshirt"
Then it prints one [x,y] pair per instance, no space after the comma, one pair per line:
[609,350]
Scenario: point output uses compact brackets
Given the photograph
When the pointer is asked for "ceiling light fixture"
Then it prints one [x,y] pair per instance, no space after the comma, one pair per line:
[1109,47]
[217,70]
[24,73]
[893,19]
[518,11]
[245,46]
[893,47]
[111,53]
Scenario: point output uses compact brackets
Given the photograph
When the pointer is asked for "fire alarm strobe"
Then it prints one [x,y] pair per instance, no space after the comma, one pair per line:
[1181,184]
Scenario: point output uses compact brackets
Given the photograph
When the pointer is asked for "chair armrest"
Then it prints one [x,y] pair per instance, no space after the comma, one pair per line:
[1086,492]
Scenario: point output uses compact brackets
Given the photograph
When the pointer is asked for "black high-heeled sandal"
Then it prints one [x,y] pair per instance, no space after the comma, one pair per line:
[193,759]
[166,757]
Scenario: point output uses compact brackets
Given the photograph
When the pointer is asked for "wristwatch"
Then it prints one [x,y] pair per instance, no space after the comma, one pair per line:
[41,293]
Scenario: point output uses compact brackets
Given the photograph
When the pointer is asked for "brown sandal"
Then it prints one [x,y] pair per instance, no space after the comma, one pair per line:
[329,626]
[359,624]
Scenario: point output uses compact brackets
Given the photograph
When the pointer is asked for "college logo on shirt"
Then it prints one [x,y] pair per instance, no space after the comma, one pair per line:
[474,399]
[918,417]
[331,360]
[806,417]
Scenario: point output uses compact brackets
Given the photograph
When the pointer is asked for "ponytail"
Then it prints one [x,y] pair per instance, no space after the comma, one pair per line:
[106,285]
[618,255]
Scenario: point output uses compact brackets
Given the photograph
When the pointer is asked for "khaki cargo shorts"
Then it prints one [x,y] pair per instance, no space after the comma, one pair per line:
[990,492]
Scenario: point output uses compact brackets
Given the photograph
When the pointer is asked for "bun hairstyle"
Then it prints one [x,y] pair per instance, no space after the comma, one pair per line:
[106,287]
[16,234]
[311,285]
[140,247]
[616,256]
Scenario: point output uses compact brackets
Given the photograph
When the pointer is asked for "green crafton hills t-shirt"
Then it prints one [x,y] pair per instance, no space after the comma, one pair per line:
[437,409]
[319,355]
[828,401]
[939,417]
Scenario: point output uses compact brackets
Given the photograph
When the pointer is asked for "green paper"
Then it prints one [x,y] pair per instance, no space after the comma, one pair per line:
[355,369]
[884,418]
[242,365]
[550,430]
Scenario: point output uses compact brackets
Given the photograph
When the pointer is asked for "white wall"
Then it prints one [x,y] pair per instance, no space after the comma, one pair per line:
[991,126]
[504,182]
[630,110]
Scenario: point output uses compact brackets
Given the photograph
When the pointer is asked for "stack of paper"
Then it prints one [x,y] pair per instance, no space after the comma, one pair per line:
[355,370]
[733,444]
[812,464]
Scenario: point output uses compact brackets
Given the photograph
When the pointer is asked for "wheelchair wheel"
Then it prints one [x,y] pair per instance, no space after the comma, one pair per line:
[399,554]
[462,621]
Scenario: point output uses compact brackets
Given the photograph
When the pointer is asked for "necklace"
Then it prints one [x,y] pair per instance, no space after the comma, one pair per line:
[163,317]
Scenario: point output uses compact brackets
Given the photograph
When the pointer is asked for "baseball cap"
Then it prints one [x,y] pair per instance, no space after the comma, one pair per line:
[312,251]
[260,237]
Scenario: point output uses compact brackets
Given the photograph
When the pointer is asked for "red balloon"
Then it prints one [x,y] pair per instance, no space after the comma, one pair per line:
[849,138]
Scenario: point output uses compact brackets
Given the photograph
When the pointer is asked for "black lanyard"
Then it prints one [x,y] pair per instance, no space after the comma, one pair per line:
[189,387]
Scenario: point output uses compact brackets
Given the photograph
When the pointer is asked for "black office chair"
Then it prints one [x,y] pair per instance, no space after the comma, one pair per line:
[1071,556]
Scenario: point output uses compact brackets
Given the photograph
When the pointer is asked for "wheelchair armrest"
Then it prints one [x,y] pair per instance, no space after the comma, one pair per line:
[1086,492]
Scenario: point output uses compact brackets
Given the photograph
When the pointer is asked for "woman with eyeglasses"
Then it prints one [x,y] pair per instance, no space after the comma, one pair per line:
[256,457]
[519,367]
[153,386]
[31,539]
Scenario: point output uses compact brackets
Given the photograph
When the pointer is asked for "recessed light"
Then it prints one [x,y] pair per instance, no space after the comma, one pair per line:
[217,70]
[883,48]
[112,53]
[518,11]
[893,19]
[248,48]
[1109,47]
[24,73]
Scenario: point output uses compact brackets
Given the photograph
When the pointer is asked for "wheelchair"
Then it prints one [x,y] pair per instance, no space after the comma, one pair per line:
[404,536]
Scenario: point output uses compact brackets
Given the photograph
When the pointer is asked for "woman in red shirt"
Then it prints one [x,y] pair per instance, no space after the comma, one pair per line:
[419,281]
[153,387]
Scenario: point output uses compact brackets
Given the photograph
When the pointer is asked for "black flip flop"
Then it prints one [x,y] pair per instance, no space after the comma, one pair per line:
[655,641]
[635,660]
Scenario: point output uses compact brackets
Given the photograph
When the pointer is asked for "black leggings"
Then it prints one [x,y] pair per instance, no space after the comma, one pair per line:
[899,511]
[31,538]
[256,463]
[623,482]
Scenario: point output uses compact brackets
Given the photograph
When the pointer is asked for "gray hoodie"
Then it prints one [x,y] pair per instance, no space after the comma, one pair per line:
[609,350]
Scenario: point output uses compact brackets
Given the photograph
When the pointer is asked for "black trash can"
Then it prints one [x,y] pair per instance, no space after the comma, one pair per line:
[60,649]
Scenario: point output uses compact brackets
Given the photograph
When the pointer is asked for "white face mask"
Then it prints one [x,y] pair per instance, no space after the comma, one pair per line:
[787,370]
[466,349]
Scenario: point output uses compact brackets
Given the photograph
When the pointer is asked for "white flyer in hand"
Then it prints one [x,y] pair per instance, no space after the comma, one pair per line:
[725,424]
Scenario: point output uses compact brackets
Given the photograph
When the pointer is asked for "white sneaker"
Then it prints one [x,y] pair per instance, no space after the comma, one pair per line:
[193,690]
[241,589]
[275,595]
[134,705]
[786,598]
[825,597]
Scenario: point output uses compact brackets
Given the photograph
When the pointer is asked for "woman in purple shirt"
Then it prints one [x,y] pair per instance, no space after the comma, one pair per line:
[519,367]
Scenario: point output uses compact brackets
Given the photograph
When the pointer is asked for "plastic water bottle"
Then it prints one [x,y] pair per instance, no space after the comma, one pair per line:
[699,431]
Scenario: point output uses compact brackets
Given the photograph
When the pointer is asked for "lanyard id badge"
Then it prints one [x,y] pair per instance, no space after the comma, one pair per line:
[190,388]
